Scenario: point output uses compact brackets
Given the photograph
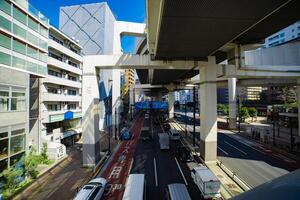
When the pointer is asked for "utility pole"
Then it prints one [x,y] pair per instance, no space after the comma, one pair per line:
[273,116]
[239,114]
[194,115]
[116,129]
[185,109]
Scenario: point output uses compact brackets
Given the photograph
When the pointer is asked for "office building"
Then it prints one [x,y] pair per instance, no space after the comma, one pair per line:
[129,78]
[222,95]
[94,27]
[23,60]
[61,92]
[287,34]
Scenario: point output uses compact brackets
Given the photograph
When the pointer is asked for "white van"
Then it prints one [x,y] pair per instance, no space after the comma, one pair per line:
[135,188]
[177,191]
[174,134]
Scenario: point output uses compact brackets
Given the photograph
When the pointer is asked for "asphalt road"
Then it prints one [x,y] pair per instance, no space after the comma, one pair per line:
[161,167]
[252,165]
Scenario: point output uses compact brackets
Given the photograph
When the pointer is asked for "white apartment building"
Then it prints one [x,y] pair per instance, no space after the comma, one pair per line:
[23,55]
[61,91]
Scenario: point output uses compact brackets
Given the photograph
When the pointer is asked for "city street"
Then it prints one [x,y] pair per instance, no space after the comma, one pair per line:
[253,163]
[161,167]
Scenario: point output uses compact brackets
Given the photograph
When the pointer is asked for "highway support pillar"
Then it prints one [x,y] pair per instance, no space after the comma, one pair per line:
[298,101]
[171,99]
[208,111]
[90,120]
[232,100]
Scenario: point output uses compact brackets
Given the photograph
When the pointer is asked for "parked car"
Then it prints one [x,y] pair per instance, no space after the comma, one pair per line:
[125,134]
[185,154]
[92,190]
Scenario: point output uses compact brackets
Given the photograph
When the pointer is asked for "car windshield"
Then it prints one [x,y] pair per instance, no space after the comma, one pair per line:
[88,187]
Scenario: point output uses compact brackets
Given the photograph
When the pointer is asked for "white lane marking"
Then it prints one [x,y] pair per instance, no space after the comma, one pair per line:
[236,148]
[155,172]
[223,151]
[181,172]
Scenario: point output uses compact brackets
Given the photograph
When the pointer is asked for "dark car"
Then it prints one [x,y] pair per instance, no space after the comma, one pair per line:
[167,126]
[125,134]
[185,154]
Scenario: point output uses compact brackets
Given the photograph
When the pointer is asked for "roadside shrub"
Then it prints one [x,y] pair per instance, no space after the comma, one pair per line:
[244,114]
[252,112]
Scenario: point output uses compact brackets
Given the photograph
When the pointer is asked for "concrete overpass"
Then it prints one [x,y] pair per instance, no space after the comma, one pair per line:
[188,38]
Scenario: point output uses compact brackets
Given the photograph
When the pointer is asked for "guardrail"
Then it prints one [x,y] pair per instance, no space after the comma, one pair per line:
[233,176]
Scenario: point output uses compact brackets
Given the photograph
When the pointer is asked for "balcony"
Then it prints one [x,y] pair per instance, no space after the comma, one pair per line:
[60,97]
[56,116]
[63,65]
[62,81]
[55,45]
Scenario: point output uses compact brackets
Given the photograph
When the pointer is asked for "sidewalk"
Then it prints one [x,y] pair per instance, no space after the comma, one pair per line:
[61,182]
[229,188]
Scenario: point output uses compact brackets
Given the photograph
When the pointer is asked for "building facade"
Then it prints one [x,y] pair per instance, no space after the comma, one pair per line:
[129,78]
[93,26]
[61,91]
[289,33]
[23,57]
[222,95]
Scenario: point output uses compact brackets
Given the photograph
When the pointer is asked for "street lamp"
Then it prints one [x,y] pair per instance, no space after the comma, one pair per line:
[194,115]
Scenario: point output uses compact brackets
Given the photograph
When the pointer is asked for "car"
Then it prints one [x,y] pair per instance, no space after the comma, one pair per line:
[167,126]
[92,190]
[174,134]
[185,154]
[125,134]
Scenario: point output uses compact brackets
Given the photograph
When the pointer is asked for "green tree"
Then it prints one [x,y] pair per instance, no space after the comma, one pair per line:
[244,114]
[32,160]
[288,95]
[252,112]
[44,152]
[223,108]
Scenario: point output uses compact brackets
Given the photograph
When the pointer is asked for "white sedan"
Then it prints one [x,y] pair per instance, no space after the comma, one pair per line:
[92,190]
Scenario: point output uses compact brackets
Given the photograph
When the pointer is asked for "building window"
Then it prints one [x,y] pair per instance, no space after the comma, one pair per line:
[72,64]
[3,148]
[18,132]
[72,106]
[53,90]
[18,101]
[17,144]
[55,56]
[53,107]
[20,16]
[72,78]
[4,101]
[56,40]
[3,166]
[71,92]
[5,6]
[54,73]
